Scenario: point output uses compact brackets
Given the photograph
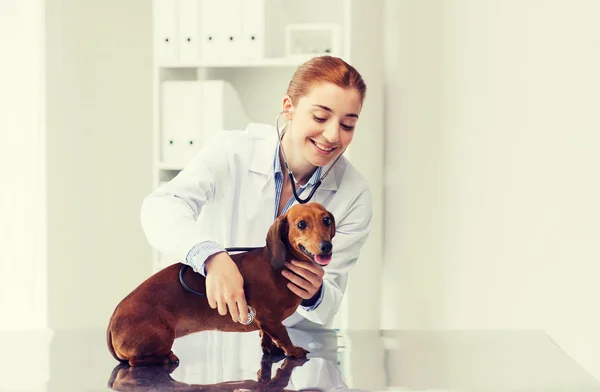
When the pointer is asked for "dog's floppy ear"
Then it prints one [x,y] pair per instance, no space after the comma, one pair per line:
[275,241]
[332,225]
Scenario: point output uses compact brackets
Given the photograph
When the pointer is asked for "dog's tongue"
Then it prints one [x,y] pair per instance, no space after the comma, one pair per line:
[323,259]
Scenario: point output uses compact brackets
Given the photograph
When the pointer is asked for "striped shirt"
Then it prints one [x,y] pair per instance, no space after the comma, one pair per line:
[197,256]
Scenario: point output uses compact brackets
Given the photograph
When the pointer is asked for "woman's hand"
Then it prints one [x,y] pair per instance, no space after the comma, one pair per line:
[225,287]
[305,278]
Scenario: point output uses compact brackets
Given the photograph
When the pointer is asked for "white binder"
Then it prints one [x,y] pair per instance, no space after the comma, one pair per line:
[210,32]
[165,17]
[253,29]
[180,122]
[189,32]
[191,112]
[230,14]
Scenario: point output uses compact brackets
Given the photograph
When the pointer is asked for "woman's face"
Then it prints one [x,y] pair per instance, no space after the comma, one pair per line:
[323,122]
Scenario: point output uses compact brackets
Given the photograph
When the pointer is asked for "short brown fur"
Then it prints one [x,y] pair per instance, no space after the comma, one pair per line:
[144,325]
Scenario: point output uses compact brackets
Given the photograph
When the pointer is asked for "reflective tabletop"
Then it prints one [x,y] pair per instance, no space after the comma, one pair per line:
[388,360]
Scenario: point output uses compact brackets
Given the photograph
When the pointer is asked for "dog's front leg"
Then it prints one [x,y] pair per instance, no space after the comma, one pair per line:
[268,346]
[276,330]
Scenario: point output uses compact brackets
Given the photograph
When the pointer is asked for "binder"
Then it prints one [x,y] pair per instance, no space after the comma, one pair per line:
[166,45]
[189,32]
[230,27]
[210,32]
[191,112]
[253,29]
[180,115]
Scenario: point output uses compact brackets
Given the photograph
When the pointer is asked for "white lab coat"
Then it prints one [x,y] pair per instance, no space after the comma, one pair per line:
[227,194]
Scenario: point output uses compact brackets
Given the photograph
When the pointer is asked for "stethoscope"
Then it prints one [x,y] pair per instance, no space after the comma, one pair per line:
[290,174]
[251,311]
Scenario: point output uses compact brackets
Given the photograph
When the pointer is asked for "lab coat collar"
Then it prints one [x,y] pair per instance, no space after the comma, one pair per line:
[265,159]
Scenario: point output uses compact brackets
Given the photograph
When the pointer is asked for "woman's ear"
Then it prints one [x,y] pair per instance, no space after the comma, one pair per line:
[288,107]
[275,242]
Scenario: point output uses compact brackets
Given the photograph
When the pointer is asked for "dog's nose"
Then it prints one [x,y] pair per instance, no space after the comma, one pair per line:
[325,246]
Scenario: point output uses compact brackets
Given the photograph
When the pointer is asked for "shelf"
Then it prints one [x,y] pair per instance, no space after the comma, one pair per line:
[267,62]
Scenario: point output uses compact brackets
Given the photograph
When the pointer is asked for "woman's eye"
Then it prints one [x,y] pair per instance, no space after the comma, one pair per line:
[348,127]
[301,225]
[326,221]
[319,119]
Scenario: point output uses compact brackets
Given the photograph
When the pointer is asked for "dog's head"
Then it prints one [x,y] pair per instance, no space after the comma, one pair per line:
[303,233]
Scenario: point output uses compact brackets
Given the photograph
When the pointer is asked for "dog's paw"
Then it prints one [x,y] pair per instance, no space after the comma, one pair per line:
[292,362]
[297,352]
[273,350]
[171,360]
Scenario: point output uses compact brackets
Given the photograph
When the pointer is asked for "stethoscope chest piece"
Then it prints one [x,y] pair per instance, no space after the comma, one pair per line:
[251,316]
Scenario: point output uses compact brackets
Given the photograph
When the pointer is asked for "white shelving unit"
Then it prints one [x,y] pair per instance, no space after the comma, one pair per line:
[243,44]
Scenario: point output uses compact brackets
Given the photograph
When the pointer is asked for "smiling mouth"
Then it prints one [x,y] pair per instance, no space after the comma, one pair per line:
[322,147]
[322,259]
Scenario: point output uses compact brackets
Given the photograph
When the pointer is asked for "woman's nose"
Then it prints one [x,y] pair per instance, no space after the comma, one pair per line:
[332,133]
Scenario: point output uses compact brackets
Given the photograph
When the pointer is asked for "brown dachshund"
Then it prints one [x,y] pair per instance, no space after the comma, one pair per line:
[144,325]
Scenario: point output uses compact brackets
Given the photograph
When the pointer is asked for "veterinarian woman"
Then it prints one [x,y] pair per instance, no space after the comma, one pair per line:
[237,185]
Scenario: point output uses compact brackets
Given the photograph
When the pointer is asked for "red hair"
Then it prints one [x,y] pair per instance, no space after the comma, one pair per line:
[325,69]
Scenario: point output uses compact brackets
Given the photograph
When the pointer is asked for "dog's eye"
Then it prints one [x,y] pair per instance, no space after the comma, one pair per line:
[301,225]
[327,221]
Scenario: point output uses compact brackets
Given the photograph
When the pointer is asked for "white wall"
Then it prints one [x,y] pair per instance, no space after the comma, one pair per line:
[493,134]
[22,153]
[99,155]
